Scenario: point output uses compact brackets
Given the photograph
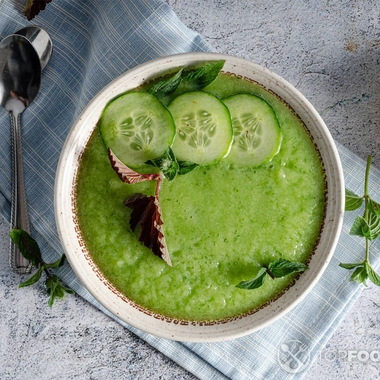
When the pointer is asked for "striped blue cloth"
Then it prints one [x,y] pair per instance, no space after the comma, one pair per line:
[94,42]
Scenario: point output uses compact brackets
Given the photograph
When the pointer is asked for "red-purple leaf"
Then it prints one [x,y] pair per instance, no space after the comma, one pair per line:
[146,211]
[33,8]
[146,214]
[128,175]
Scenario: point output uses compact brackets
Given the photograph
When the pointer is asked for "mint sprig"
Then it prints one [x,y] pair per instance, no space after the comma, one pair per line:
[203,76]
[170,166]
[30,250]
[167,164]
[166,86]
[366,226]
[275,269]
[192,80]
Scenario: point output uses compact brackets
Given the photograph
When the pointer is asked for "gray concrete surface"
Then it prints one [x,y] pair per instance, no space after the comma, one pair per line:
[330,52]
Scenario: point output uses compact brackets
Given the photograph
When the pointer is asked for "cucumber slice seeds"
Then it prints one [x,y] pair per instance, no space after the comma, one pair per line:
[257,132]
[204,128]
[137,127]
[201,129]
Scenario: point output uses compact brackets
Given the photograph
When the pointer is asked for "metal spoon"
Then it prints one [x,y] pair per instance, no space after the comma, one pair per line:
[20,76]
[40,40]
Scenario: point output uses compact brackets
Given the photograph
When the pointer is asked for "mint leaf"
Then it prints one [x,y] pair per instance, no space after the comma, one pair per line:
[56,264]
[358,227]
[55,289]
[374,206]
[32,280]
[167,163]
[27,246]
[372,275]
[351,266]
[353,201]
[256,282]
[186,167]
[166,86]
[203,76]
[192,80]
[370,229]
[280,267]
[360,275]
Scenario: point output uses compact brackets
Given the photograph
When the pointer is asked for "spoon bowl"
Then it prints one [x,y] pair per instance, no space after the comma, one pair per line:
[40,40]
[20,76]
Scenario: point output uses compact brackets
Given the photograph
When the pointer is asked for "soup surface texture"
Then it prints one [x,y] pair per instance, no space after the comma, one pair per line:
[222,223]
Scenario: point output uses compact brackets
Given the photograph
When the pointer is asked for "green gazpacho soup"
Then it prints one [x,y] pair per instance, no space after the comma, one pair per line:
[222,222]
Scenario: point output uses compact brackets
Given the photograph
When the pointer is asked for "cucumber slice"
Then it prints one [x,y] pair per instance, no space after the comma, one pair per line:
[257,132]
[204,128]
[137,127]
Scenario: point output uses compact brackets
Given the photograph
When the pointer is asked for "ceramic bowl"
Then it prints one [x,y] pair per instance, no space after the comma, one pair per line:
[80,259]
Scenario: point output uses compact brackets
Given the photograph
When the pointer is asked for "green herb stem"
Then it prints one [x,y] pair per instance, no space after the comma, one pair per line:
[270,273]
[367,226]
[366,250]
[369,159]
[366,198]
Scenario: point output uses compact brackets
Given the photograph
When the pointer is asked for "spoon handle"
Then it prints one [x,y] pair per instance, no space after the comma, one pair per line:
[19,210]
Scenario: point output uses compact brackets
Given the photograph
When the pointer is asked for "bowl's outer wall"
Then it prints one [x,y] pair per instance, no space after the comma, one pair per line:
[111,299]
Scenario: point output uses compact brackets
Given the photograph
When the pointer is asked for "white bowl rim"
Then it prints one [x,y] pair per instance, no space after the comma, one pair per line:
[166,327]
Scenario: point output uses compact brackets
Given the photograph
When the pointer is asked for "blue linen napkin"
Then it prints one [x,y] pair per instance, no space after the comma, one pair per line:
[94,42]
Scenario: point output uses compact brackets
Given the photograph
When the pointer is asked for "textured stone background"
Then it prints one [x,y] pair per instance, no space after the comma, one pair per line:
[330,52]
